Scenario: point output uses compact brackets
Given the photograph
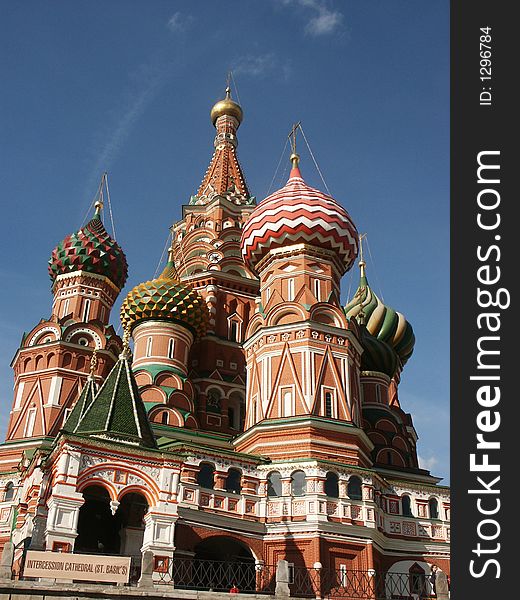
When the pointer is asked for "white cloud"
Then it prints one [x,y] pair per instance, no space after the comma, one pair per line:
[325,23]
[179,22]
[427,463]
[260,65]
[322,20]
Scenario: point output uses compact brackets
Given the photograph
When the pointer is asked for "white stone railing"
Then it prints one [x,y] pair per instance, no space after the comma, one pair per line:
[432,529]
[320,508]
[220,500]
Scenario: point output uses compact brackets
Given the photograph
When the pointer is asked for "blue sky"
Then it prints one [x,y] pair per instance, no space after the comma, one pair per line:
[126,86]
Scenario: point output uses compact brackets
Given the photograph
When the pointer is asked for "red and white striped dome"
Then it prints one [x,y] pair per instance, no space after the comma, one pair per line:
[298,214]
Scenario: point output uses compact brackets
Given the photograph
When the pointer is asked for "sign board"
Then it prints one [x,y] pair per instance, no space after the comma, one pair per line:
[84,567]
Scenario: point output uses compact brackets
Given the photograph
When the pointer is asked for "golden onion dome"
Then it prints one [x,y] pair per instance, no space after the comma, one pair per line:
[228,107]
[165,298]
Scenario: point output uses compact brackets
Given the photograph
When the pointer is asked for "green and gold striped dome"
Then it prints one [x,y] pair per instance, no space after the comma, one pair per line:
[166,298]
[383,322]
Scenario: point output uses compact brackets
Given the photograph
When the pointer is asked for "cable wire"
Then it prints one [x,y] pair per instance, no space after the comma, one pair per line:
[315,162]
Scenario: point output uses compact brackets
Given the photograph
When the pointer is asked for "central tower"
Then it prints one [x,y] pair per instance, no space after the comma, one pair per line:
[206,254]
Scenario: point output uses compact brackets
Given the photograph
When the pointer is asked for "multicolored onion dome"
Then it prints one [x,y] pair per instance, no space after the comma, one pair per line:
[383,322]
[377,355]
[166,298]
[90,249]
[298,213]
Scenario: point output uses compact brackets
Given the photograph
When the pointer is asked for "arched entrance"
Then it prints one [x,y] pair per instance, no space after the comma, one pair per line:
[130,518]
[101,532]
[219,564]
[223,548]
[97,528]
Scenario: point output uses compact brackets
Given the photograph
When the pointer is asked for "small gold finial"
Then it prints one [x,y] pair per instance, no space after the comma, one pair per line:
[93,364]
[295,157]
[98,206]
[362,263]
[170,271]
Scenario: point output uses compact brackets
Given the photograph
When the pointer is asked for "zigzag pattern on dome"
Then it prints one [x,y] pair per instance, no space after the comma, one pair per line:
[298,213]
[90,249]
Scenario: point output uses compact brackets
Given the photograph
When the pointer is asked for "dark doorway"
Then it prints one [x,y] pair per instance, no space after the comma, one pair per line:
[223,548]
[130,520]
[97,528]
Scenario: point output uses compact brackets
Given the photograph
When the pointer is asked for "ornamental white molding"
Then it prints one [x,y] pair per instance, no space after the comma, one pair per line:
[49,329]
[87,331]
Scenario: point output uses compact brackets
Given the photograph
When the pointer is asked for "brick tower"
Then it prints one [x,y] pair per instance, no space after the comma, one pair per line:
[206,250]
[88,270]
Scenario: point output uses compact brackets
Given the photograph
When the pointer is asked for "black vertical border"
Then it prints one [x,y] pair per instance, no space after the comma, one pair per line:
[476,128]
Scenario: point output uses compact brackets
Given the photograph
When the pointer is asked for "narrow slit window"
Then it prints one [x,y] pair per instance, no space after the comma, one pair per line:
[328,405]
[290,290]
[86,310]
[29,423]
[317,289]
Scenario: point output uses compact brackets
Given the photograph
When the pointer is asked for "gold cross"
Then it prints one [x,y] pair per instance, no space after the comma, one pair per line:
[292,136]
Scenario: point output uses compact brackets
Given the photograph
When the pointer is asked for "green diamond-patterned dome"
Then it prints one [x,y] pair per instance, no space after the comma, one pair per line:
[166,298]
[383,322]
[90,249]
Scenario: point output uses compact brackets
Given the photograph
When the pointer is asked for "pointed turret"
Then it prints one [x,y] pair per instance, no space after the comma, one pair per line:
[224,175]
[85,399]
[117,412]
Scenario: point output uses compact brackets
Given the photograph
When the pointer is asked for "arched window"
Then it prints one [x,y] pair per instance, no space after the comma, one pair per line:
[354,488]
[332,485]
[290,290]
[274,484]
[406,503]
[164,418]
[434,508]
[86,310]
[317,289]
[9,492]
[171,348]
[298,483]
[233,481]
[205,476]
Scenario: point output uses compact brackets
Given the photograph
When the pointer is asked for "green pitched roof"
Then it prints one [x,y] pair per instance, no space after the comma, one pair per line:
[85,399]
[117,412]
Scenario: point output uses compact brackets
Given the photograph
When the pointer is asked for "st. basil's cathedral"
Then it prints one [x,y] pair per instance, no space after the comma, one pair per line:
[244,414]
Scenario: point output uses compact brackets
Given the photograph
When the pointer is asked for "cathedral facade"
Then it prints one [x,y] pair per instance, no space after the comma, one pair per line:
[245,414]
